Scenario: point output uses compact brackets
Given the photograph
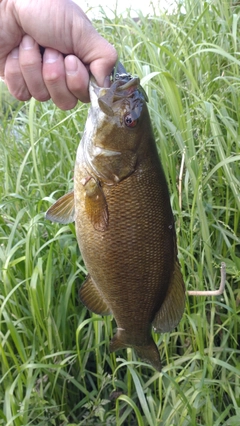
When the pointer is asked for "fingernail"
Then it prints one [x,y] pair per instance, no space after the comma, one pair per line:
[106,82]
[15,53]
[50,56]
[27,42]
[71,65]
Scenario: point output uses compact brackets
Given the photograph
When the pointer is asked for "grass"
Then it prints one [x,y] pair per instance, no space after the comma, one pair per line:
[56,368]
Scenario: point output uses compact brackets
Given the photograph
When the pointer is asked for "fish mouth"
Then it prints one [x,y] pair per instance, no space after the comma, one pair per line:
[123,85]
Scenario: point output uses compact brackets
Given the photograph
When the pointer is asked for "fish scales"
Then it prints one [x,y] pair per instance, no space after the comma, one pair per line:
[124,222]
[130,264]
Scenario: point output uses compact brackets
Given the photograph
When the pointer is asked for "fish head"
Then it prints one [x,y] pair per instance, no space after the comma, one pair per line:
[117,121]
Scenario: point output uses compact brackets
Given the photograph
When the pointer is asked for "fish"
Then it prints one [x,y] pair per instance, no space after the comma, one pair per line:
[123,218]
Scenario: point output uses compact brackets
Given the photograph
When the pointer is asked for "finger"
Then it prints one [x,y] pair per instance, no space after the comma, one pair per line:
[55,79]
[77,78]
[102,64]
[30,61]
[14,78]
[93,49]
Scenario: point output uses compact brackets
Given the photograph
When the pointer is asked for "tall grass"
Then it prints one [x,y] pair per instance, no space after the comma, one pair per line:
[55,361]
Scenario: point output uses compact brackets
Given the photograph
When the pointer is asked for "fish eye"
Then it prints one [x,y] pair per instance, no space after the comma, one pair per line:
[129,122]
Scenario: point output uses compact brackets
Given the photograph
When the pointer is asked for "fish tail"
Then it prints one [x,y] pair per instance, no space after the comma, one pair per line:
[148,353]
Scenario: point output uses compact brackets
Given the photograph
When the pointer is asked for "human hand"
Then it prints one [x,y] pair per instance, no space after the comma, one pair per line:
[71,45]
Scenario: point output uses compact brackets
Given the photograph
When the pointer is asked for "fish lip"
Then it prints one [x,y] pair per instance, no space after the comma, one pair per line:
[93,88]
[120,81]
[123,85]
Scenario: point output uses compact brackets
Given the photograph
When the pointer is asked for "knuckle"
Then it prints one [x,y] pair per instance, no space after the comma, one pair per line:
[29,66]
[21,94]
[17,89]
[52,76]
[66,105]
[29,63]
[42,97]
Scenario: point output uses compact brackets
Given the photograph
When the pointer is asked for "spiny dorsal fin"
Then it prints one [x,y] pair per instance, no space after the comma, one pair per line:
[96,205]
[171,311]
[92,299]
[63,210]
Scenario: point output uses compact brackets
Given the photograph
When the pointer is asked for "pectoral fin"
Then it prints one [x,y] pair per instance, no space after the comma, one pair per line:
[171,311]
[92,299]
[63,210]
[96,205]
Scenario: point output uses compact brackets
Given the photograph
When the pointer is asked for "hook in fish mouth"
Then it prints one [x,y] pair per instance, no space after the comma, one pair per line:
[120,73]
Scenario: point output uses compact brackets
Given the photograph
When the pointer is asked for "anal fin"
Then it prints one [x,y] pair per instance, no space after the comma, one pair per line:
[172,309]
[92,299]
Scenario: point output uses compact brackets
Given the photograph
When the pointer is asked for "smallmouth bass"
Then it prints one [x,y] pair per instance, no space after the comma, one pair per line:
[124,222]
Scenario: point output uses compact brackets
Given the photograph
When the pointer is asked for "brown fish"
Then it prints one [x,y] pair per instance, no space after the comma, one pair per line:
[124,222]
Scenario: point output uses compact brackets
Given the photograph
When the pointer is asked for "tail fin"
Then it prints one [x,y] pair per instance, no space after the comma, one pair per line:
[148,353]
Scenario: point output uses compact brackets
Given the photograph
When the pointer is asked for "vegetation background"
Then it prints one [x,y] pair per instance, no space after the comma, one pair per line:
[56,368]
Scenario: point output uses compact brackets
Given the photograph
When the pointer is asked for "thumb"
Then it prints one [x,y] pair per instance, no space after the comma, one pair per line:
[102,67]
[96,52]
